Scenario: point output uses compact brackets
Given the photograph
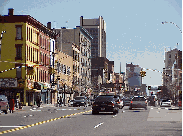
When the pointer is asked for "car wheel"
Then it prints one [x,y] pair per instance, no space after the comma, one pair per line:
[130,108]
[94,112]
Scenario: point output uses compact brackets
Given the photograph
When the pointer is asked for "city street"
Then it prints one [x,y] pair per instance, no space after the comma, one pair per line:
[138,122]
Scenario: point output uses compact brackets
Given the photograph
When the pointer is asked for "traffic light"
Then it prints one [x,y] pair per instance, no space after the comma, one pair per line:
[151,93]
[149,87]
[141,74]
[159,87]
[144,73]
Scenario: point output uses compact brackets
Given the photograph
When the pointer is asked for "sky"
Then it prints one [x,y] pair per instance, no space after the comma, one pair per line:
[134,29]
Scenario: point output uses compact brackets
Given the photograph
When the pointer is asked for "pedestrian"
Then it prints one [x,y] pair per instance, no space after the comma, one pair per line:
[60,102]
[12,104]
[38,101]
[17,102]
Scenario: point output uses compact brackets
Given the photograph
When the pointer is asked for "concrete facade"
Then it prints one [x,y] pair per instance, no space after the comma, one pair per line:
[97,28]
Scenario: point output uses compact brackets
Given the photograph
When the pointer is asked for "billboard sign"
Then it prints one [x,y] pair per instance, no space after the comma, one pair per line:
[8,82]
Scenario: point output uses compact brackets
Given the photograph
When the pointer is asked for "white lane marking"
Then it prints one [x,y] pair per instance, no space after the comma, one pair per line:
[98,125]
[11,126]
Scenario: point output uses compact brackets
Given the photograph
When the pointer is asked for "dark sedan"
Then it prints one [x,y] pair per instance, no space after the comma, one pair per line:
[126,101]
[105,103]
[80,101]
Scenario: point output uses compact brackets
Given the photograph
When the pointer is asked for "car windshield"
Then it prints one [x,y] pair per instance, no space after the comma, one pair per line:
[138,99]
[164,100]
[104,98]
[79,98]
[126,99]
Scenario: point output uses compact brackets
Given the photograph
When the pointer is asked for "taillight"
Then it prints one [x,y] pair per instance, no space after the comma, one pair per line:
[131,101]
[95,104]
[118,102]
[111,104]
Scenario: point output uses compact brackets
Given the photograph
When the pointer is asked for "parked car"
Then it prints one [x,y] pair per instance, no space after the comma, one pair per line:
[70,104]
[105,103]
[4,106]
[138,102]
[180,104]
[126,101]
[165,103]
[80,101]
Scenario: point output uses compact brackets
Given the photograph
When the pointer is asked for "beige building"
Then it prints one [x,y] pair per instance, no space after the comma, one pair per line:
[64,71]
[172,73]
[78,36]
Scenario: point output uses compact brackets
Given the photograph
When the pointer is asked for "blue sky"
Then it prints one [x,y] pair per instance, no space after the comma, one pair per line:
[134,30]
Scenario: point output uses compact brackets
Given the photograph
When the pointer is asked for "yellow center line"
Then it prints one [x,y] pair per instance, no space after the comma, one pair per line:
[39,123]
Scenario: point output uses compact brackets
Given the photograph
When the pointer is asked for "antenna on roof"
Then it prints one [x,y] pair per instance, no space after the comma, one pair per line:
[55,24]
[66,24]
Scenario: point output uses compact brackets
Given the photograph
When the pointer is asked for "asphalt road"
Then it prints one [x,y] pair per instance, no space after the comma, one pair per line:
[139,122]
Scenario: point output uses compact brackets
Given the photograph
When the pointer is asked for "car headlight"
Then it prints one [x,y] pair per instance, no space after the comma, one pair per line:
[82,102]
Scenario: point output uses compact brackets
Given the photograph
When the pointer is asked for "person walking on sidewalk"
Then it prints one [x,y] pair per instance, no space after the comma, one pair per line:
[38,101]
[60,102]
[17,102]
[12,104]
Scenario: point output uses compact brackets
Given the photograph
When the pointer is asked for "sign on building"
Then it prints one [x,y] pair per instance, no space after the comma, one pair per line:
[8,82]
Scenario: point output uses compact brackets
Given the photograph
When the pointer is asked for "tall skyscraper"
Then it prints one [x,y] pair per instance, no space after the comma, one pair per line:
[97,28]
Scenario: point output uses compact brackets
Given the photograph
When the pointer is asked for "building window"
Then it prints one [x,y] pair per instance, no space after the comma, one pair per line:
[45,75]
[27,53]
[27,33]
[37,56]
[31,34]
[18,51]
[61,68]
[18,32]
[41,76]
[37,74]
[31,54]
[64,69]
[68,70]
[45,59]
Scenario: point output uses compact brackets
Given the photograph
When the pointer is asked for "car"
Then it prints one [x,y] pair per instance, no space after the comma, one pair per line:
[126,101]
[105,103]
[138,102]
[165,103]
[4,106]
[80,101]
[180,104]
[70,104]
